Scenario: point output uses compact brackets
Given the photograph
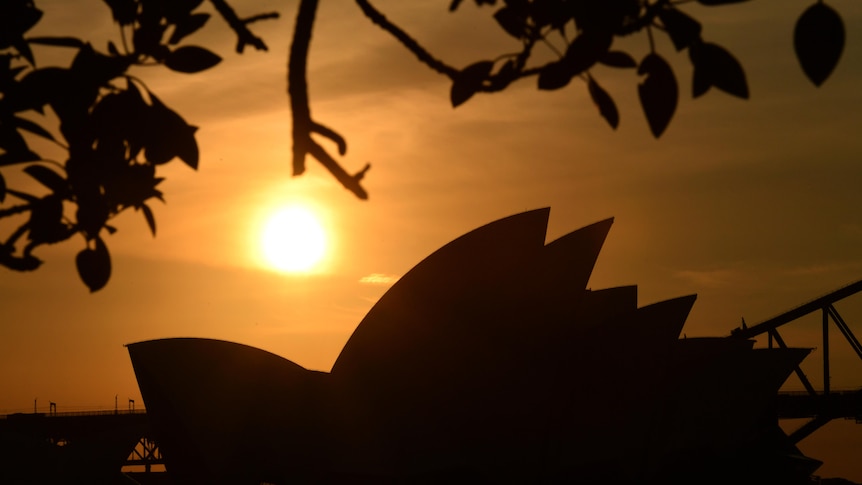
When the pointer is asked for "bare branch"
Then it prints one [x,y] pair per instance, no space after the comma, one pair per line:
[297,86]
[17,209]
[332,135]
[303,125]
[244,35]
[350,182]
[424,56]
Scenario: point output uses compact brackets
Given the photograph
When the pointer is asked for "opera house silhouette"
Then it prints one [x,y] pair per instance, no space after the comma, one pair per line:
[488,362]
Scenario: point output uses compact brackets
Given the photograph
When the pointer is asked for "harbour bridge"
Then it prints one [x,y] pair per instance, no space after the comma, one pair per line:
[119,447]
[78,447]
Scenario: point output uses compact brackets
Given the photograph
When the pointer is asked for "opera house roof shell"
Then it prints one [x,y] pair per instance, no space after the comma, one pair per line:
[489,361]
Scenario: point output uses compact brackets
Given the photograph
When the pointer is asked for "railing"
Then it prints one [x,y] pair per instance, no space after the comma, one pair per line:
[812,306]
[66,414]
[845,404]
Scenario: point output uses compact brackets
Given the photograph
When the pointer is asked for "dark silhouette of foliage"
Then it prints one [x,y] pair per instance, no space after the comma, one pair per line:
[117,132]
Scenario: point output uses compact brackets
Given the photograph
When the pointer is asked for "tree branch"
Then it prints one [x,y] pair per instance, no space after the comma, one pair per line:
[244,35]
[350,182]
[303,125]
[424,56]
[17,209]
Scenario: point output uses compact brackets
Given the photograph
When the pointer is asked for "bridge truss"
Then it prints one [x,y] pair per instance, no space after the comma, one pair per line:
[819,406]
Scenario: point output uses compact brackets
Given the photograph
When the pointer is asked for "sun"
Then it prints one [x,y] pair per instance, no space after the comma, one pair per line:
[293,240]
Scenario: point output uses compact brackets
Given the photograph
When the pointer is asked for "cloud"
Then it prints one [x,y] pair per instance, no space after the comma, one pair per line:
[378,279]
[713,278]
[824,268]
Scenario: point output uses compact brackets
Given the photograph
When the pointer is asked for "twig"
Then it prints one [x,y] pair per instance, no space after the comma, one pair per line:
[424,56]
[244,35]
[17,209]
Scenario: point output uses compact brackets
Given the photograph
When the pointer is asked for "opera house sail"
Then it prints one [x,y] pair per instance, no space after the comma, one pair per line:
[490,361]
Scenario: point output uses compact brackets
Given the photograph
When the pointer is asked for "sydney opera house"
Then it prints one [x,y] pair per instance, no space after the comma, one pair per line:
[488,362]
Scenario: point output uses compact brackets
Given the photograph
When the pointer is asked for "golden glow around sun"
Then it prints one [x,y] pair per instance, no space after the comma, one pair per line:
[293,240]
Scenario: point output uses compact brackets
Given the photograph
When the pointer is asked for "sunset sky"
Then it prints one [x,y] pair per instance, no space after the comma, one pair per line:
[753,205]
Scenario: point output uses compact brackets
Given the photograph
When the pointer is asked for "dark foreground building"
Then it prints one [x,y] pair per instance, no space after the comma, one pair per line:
[489,362]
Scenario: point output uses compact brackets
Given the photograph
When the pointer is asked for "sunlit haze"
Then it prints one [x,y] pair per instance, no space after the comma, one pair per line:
[754,205]
[293,240]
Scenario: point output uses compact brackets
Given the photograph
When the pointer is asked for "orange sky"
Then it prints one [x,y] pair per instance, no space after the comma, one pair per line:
[753,205]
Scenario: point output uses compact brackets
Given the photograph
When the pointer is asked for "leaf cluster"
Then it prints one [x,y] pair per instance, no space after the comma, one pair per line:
[114,130]
[582,34]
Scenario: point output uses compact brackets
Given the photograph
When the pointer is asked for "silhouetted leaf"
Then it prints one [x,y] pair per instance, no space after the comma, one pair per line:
[24,49]
[11,158]
[69,93]
[58,41]
[96,69]
[586,50]
[191,59]
[187,26]
[147,40]
[508,72]
[151,219]
[10,139]
[46,221]
[469,81]
[123,11]
[554,75]
[176,10]
[618,59]
[2,188]
[8,74]
[169,136]
[38,87]
[658,93]
[714,66]
[606,105]
[700,83]
[819,40]
[93,210]
[48,178]
[581,54]
[112,49]
[32,127]
[17,18]
[15,148]
[682,29]
[132,187]
[513,19]
[94,266]
[122,116]
[606,16]
[555,13]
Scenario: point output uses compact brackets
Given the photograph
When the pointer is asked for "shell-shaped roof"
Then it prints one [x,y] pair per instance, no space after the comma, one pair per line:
[490,359]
